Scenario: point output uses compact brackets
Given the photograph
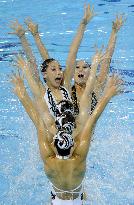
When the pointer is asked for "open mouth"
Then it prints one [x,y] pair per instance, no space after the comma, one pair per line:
[58,79]
[80,76]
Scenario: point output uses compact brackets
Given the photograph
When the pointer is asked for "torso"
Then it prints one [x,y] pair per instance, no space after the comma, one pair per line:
[65,174]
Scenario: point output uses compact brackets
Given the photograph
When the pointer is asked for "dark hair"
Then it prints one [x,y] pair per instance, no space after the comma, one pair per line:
[63,143]
[88,64]
[61,152]
[66,105]
[45,64]
[66,122]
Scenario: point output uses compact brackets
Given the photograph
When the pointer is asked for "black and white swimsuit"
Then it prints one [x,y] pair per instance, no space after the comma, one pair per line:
[51,102]
[75,101]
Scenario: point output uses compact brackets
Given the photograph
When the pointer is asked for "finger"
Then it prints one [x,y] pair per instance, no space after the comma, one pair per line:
[88,8]
[85,10]
[85,6]
[92,10]
[120,91]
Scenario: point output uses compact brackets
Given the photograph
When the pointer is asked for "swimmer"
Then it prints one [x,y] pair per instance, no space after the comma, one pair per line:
[65,158]
[55,95]
[53,92]
[83,69]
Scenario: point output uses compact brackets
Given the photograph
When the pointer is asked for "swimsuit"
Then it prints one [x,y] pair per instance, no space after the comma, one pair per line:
[58,201]
[75,101]
[51,102]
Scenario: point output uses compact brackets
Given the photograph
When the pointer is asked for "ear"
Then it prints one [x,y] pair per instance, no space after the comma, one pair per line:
[44,74]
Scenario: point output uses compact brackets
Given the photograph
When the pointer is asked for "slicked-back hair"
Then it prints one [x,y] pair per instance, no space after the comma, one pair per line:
[61,152]
[45,64]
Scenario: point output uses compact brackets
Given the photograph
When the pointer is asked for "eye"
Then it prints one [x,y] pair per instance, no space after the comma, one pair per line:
[53,68]
[85,66]
[77,66]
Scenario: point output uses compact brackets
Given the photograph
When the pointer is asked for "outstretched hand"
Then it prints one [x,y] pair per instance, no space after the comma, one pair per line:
[98,57]
[18,81]
[20,63]
[118,23]
[17,28]
[88,13]
[114,86]
[32,27]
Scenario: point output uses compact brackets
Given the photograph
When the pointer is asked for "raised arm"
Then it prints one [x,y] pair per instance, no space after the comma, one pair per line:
[85,101]
[33,84]
[71,59]
[114,87]
[20,32]
[27,102]
[29,105]
[33,28]
[39,103]
[105,64]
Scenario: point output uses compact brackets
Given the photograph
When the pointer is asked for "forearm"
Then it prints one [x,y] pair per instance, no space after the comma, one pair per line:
[96,114]
[30,57]
[34,86]
[29,106]
[92,78]
[105,64]
[71,59]
[111,43]
[42,49]
[77,40]
[46,117]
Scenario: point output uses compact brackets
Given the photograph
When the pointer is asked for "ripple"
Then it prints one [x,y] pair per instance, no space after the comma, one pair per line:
[4,185]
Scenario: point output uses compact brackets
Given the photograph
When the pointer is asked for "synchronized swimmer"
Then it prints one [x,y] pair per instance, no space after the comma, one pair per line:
[65,115]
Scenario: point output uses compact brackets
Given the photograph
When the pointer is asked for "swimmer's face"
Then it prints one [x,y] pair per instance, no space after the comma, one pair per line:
[53,74]
[82,72]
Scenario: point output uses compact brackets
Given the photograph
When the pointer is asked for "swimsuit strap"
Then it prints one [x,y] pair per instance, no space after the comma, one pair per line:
[51,102]
[94,102]
[75,101]
[65,93]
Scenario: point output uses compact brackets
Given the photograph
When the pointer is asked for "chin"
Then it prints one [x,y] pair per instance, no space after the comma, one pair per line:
[56,85]
[81,83]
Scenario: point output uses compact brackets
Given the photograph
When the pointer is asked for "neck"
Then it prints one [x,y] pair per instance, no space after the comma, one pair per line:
[52,88]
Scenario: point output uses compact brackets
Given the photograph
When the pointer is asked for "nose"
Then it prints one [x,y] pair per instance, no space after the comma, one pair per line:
[80,69]
[59,72]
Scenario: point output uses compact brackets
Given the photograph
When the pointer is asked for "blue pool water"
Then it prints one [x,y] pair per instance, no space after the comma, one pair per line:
[110,164]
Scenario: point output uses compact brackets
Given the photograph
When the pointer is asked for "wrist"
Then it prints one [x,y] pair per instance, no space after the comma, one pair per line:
[107,95]
[21,35]
[84,22]
[35,34]
[115,30]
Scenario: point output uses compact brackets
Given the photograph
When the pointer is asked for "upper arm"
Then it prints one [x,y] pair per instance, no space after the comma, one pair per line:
[44,144]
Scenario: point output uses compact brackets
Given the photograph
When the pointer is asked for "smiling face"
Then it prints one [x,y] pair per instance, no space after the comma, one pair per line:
[53,74]
[82,72]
